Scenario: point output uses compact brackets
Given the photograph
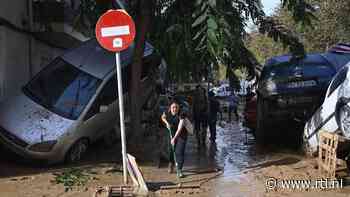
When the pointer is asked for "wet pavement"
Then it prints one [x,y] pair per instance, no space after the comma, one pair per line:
[229,157]
[235,151]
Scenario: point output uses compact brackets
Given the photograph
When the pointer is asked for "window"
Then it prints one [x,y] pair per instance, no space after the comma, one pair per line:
[107,96]
[339,79]
[109,92]
[62,89]
[149,64]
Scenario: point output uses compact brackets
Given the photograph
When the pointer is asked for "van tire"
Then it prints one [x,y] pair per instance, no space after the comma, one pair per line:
[111,137]
[261,126]
[306,150]
[77,151]
[343,119]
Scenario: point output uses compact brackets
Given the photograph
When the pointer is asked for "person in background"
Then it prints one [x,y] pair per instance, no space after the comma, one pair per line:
[199,114]
[173,120]
[214,109]
[232,108]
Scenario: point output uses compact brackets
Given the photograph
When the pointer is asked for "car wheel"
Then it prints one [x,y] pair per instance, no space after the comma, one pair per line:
[76,152]
[111,137]
[306,148]
[344,120]
[261,126]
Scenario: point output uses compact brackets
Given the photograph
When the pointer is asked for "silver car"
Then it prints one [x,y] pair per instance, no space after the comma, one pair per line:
[58,113]
[333,115]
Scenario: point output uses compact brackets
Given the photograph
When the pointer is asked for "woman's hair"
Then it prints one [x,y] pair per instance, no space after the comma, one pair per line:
[173,102]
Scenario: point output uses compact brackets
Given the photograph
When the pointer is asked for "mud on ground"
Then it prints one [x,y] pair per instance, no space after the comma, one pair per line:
[245,169]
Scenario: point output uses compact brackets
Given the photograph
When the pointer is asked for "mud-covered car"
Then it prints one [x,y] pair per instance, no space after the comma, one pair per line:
[290,90]
[71,103]
[333,115]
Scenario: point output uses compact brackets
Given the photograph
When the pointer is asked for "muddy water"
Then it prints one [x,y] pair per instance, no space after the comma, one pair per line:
[235,151]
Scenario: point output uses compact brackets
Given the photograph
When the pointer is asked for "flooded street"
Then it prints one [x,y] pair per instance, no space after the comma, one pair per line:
[236,150]
[228,167]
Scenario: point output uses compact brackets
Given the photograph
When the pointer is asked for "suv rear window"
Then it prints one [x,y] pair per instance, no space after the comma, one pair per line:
[288,69]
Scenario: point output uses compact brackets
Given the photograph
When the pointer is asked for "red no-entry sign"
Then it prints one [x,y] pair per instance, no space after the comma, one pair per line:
[115,30]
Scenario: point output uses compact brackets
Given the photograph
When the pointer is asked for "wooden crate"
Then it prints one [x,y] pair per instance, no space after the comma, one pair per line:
[328,163]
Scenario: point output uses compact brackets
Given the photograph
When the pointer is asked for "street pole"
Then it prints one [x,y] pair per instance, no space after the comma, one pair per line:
[121,115]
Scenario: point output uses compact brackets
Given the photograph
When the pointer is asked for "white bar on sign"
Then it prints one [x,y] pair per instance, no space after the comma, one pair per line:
[115,31]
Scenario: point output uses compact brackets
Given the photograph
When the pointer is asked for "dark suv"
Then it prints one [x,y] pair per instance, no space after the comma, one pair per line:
[289,90]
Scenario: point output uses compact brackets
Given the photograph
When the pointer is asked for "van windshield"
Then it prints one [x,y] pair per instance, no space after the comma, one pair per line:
[62,89]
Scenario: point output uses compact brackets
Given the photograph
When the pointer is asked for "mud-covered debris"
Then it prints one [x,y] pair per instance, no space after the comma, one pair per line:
[70,178]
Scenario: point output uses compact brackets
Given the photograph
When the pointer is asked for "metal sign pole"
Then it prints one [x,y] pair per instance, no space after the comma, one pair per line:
[121,114]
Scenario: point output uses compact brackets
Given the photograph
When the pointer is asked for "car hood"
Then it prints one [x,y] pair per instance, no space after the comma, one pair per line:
[30,121]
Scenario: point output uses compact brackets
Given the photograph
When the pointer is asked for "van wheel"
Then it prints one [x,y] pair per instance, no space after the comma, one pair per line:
[261,127]
[344,120]
[111,137]
[76,152]
[306,148]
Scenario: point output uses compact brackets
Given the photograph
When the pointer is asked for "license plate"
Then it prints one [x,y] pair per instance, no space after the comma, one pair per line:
[297,100]
[301,84]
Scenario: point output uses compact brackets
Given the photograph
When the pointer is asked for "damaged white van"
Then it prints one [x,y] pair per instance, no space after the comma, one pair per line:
[57,114]
[333,116]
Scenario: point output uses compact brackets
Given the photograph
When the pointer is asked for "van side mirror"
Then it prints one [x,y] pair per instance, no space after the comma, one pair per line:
[103,108]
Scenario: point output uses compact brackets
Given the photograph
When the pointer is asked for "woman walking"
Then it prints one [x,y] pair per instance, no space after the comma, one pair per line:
[173,120]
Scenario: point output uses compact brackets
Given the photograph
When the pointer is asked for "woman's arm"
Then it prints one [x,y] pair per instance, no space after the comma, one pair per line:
[163,117]
[178,131]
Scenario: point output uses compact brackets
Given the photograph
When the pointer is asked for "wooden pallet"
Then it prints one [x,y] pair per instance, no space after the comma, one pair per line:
[118,191]
[115,191]
[328,163]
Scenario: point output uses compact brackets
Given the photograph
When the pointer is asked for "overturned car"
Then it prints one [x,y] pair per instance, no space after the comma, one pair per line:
[332,116]
[72,102]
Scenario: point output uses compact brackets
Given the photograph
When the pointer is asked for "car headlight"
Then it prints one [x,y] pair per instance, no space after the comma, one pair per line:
[282,102]
[270,86]
[43,146]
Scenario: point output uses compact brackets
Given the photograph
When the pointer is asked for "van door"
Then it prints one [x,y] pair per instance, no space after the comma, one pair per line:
[97,123]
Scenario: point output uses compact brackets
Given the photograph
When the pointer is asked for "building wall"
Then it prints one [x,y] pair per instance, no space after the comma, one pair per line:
[17,62]
[14,11]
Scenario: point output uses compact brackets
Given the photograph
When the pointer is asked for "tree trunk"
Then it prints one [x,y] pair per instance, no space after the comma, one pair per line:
[144,14]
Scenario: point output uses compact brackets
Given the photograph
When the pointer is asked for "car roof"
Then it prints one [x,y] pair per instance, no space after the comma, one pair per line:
[95,60]
[309,58]
[337,59]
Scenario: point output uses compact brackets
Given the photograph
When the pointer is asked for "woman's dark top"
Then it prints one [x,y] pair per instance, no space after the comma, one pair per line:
[174,120]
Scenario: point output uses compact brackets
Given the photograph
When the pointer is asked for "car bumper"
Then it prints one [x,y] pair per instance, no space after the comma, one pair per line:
[45,157]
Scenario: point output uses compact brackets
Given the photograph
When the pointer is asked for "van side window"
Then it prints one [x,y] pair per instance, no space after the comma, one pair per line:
[339,79]
[149,64]
[126,78]
[109,92]
[145,68]
[107,96]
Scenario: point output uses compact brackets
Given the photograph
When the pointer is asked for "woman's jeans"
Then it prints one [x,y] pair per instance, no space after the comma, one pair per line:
[180,146]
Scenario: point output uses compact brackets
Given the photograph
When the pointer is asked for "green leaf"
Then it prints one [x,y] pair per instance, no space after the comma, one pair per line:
[200,19]
[212,37]
[199,33]
[199,2]
[204,7]
[172,28]
[212,3]
[201,43]
[228,33]
[211,49]
[212,24]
